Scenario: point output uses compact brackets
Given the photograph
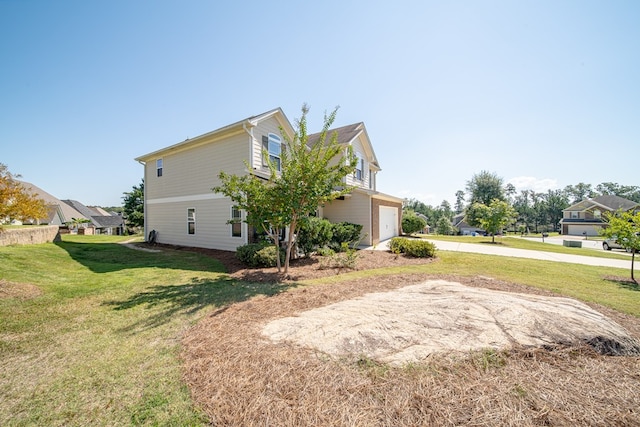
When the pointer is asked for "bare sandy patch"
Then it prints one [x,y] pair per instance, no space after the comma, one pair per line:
[414,322]
[18,290]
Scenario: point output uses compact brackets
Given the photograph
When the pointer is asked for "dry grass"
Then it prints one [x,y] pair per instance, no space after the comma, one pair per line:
[238,377]
[18,290]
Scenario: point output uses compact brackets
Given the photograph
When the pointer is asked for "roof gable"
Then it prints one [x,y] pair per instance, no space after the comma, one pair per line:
[346,135]
[609,202]
[238,127]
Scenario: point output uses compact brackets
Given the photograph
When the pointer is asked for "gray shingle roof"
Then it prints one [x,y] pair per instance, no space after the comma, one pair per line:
[98,220]
[54,205]
[611,202]
[345,134]
[615,202]
[108,221]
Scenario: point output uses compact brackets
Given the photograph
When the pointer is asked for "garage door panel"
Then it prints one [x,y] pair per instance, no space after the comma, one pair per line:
[388,222]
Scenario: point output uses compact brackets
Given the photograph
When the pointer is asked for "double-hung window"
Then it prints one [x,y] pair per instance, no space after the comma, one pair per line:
[191,221]
[359,172]
[159,167]
[275,149]
[236,222]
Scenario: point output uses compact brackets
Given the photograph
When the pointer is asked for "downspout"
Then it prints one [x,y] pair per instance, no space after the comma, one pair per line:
[144,201]
[251,139]
[250,133]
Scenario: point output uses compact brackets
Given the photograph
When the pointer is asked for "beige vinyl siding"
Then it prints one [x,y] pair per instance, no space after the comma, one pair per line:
[187,179]
[212,230]
[355,209]
[195,171]
[358,147]
[264,128]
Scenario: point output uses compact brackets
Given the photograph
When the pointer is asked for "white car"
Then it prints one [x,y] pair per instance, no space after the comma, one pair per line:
[613,243]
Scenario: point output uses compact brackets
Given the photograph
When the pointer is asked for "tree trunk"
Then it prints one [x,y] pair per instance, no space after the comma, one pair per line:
[292,228]
[633,257]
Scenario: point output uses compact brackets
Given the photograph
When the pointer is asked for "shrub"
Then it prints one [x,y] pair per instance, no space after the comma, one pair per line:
[326,251]
[412,247]
[444,226]
[315,233]
[412,223]
[258,255]
[345,259]
[345,233]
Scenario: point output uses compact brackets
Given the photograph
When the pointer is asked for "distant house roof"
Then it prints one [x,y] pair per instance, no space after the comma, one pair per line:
[99,220]
[608,202]
[54,205]
[107,221]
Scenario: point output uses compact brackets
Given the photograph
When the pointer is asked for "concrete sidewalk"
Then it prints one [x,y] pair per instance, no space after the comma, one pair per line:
[489,249]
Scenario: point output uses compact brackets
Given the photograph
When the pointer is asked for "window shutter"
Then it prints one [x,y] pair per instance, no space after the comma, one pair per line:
[265,150]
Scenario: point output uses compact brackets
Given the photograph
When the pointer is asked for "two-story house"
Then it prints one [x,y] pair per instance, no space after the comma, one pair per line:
[586,218]
[181,209]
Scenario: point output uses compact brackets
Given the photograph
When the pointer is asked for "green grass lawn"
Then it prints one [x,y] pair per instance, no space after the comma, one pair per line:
[100,345]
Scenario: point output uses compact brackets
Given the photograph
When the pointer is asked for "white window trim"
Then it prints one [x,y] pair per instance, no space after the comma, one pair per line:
[275,139]
[241,223]
[159,168]
[359,167]
[190,220]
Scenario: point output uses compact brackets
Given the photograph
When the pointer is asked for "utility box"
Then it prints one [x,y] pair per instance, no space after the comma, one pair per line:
[572,243]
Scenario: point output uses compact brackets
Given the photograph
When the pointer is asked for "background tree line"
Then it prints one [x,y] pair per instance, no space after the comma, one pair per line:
[534,211]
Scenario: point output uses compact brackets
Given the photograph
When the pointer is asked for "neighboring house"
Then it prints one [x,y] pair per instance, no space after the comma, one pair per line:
[65,212]
[103,221]
[181,208]
[58,212]
[464,228]
[586,218]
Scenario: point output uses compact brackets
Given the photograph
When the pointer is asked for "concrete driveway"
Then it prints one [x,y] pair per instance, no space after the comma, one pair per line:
[490,249]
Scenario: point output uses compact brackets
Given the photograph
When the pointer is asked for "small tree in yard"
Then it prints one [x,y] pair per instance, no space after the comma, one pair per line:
[625,228]
[133,206]
[444,226]
[494,217]
[309,176]
[16,201]
[258,198]
[412,223]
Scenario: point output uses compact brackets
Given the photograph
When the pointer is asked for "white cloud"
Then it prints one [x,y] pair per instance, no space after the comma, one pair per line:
[533,183]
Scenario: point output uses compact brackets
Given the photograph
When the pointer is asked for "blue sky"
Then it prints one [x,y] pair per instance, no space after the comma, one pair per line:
[542,93]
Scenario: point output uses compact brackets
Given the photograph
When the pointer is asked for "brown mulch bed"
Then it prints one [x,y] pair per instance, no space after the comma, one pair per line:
[305,268]
[238,377]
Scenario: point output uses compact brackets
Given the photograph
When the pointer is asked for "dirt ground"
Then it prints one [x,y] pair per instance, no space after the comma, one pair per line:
[238,376]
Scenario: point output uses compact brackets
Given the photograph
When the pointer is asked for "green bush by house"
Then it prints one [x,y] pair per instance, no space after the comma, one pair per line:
[258,255]
[412,247]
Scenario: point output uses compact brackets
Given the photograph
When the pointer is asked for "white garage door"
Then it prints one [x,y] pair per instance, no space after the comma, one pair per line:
[388,222]
[578,230]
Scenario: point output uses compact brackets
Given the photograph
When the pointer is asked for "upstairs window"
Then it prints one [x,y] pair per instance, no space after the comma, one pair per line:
[191,221]
[236,222]
[275,148]
[575,215]
[359,175]
[272,145]
[159,167]
[597,214]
